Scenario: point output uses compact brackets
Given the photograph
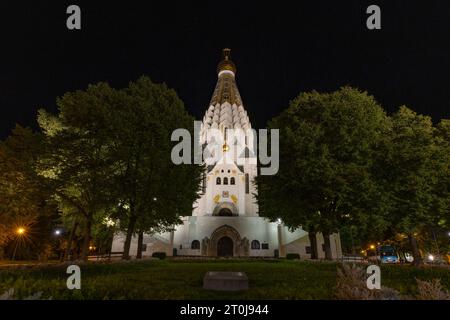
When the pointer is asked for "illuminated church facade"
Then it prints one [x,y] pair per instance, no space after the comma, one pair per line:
[225,220]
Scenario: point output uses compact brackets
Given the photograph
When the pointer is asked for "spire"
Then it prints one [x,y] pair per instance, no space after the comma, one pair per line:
[226,89]
[226,63]
[225,108]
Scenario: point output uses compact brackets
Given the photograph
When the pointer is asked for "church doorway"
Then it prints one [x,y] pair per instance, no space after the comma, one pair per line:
[225,212]
[225,247]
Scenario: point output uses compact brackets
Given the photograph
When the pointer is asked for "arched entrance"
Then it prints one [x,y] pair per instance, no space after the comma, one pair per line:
[225,247]
[226,209]
[226,241]
[225,212]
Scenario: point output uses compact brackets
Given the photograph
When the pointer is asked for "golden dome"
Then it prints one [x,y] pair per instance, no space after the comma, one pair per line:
[226,63]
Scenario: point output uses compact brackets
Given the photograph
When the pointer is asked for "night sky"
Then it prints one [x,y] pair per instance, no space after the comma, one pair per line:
[280,49]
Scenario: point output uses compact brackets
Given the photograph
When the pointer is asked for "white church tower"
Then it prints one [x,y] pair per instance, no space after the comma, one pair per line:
[228,188]
[225,220]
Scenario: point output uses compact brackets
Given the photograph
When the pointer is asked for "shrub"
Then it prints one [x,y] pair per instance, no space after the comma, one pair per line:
[432,290]
[351,285]
[159,255]
[293,256]
[9,295]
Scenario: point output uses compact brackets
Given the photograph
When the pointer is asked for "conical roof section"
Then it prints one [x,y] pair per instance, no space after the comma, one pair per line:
[226,89]
[226,109]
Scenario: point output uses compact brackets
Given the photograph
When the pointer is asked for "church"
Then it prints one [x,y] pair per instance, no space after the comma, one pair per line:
[225,220]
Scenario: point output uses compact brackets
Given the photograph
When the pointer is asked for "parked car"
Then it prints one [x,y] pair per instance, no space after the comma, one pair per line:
[388,254]
[406,257]
[409,257]
[431,258]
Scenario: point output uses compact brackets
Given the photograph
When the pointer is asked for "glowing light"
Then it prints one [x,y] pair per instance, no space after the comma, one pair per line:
[57,232]
[279,220]
[109,222]
[372,246]
[431,257]
[20,231]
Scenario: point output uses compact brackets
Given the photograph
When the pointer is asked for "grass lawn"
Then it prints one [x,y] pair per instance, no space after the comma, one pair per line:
[182,279]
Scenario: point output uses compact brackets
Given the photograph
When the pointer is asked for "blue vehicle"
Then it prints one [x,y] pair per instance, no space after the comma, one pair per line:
[388,254]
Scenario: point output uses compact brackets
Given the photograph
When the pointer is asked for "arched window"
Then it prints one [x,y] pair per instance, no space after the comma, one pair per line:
[225,180]
[247,183]
[255,245]
[232,180]
[218,181]
[195,245]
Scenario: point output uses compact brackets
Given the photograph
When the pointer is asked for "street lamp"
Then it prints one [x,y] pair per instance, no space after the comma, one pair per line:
[20,231]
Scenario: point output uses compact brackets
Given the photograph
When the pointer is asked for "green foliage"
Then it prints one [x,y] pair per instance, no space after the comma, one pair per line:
[152,191]
[24,200]
[410,170]
[181,279]
[157,190]
[415,175]
[328,145]
[78,159]
[108,155]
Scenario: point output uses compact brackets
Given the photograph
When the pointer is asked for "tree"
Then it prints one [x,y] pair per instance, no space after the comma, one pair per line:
[77,162]
[328,143]
[108,155]
[24,200]
[416,175]
[153,192]
[442,190]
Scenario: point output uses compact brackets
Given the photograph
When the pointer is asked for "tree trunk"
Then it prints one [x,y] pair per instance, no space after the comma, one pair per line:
[67,255]
[313,244]
[327,243]
[130,231]
[86,239]
[415,250]
[140,245]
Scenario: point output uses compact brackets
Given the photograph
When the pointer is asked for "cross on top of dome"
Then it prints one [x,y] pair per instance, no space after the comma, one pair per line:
[226,63]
